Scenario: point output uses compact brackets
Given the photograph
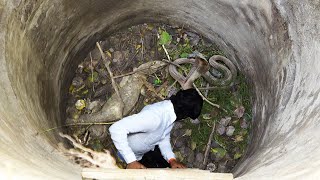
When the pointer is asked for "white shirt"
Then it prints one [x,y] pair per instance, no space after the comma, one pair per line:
[137,134]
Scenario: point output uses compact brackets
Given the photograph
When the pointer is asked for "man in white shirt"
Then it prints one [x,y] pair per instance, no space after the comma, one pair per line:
[143,139]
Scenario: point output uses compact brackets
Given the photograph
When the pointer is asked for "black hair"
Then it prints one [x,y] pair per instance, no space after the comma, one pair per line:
[187,103]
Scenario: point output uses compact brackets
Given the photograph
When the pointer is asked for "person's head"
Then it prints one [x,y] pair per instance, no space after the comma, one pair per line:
[187,103]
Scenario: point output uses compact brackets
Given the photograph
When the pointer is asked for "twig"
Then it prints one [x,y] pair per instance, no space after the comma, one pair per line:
[142,47]
[92,72]
[114,84]
[74,124]
[100,159]
[205,99]
[75,144]
[208,147]
[164,48]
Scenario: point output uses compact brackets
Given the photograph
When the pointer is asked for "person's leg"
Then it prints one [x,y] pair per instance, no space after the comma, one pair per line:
[154,159]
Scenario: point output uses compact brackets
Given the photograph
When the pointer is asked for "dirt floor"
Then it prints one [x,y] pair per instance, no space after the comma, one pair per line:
[91,88]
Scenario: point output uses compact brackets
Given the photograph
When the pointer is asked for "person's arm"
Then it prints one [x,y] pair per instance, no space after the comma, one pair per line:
[167,153]
[119,131]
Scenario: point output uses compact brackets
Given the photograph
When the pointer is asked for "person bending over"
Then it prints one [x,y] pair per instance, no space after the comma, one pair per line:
[143,139]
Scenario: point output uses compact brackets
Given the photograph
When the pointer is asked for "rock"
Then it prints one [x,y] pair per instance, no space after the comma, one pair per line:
[215,158]
[118,56]
[187,150]
[101,91]
[239,111]
[177,125]
[222,167]
[230,130]
[212,157]
[230,164]
[171,91]
[149,41]
[94,106]
[77,81]
[195,121]
[225,121]
[189,165]
[182,151]
[73,113]
[179,144]
[194,38]
[243,123]
[221,129]
[95,54]
[211,167]
[98,131]
[214,144]
[178,133]
[199,159]
[190,157]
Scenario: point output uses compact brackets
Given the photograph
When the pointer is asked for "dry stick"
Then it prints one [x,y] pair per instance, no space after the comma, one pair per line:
[75,144]
[114,84]
[142,47]
[205,99]
[164,48]
[208,147]
[92,72]
[75,124]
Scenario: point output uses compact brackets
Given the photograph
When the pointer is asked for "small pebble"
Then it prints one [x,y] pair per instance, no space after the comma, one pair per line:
[177,125]
[221,129]
[195,121]
[230,130]
[211,167]
[190,157]
[214,144]
[199,158]
[222,167]
[225,121]
[243,124]
[118,56]
[179,144]
[77,81]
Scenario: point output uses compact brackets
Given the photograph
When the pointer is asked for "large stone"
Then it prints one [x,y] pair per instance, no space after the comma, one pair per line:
[274,43]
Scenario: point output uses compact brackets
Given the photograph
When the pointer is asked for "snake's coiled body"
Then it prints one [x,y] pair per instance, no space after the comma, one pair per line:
[201,68]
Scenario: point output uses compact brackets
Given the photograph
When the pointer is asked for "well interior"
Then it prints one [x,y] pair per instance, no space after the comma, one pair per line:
[273,43]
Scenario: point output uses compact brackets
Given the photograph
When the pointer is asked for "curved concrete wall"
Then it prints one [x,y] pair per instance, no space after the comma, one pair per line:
[274,43]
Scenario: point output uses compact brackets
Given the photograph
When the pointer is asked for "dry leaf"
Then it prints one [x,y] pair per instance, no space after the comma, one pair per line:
[188,132]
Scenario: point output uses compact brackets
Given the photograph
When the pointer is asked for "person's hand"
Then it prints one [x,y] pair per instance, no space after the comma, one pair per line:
[135,165]
[176,165]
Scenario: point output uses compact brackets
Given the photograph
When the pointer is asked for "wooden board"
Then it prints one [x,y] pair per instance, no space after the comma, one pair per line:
[103,174]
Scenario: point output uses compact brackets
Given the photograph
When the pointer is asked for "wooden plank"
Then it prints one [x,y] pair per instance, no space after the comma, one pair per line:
[157,173]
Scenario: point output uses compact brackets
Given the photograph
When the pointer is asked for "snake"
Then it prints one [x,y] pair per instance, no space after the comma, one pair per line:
[202,67]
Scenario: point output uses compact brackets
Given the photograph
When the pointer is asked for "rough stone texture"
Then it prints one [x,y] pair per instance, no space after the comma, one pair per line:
[274,43]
